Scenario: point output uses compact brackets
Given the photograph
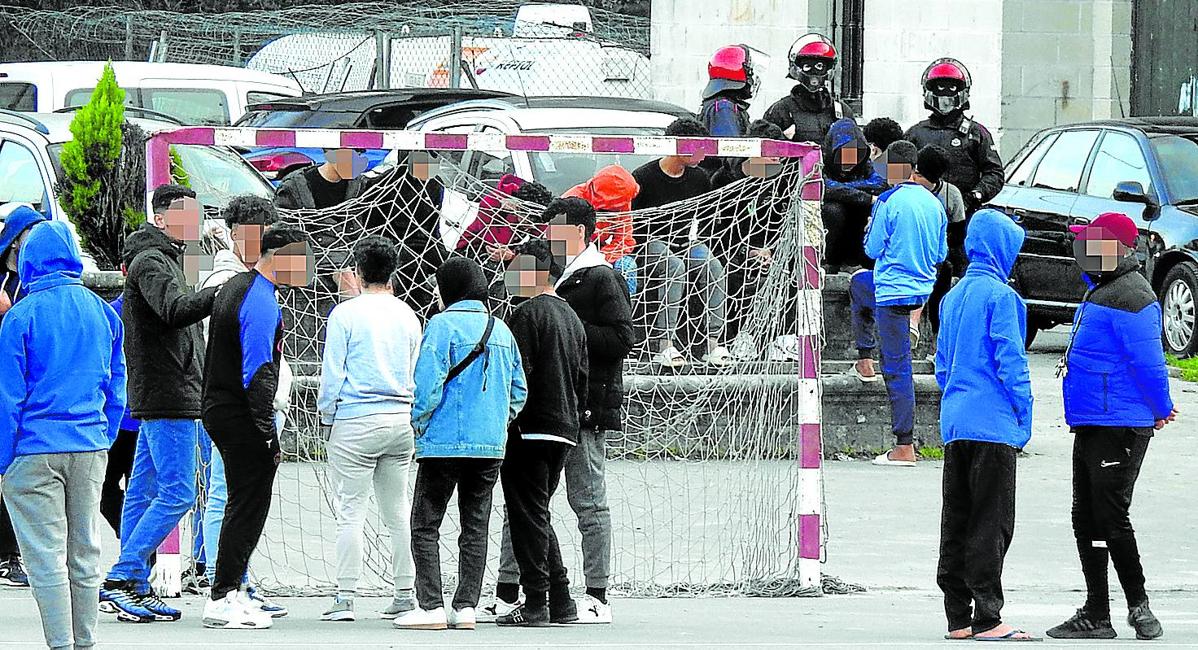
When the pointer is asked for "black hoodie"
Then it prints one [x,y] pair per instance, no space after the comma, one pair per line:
[164,347]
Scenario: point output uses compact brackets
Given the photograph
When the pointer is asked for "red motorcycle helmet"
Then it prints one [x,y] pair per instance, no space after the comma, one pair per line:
[812,57]
[731,68]
[946,83]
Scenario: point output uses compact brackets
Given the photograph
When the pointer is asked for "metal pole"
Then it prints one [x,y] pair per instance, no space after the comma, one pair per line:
[382,60]
[455,55]
[128,37]
[162,47]
[237,47]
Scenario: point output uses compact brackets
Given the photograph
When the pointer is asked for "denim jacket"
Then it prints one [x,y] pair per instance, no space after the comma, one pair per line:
[468,418]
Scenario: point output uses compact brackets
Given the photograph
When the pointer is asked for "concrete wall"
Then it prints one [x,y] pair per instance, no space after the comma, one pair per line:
[1057,64]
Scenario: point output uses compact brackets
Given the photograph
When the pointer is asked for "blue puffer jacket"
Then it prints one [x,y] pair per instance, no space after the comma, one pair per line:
[981,364]
[1116,373]
[62,366]
[469,416]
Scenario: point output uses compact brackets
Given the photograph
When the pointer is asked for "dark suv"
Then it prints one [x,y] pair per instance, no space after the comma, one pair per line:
[364,109]
[1146,168]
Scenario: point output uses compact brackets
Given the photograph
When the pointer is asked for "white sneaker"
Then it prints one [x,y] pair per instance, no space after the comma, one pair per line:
[462,619]
[592,612]
[233,613]
[421,619]
[719,357]
[342,610]
[496,609]
[743,348]
[670,358]
[785,348]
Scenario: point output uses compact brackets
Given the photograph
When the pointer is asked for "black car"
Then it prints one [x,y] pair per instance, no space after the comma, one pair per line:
[1146,168]
[364,109]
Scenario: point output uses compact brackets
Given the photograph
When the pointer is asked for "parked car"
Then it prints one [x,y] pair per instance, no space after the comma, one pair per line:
[30,167]
[1146,168]
[558,171]
[193,94]
[366,109]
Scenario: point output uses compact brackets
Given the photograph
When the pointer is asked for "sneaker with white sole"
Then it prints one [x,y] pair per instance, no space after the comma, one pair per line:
[784,348]
[718,357]
[461,619]
[670,358]
[398,607]
[234,612]
[342,610]
[256,598]
[422,619]
[592,611]
[161,611]
[496,609]
[117,598]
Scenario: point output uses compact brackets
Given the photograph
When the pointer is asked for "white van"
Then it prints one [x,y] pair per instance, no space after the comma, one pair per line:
[193,94]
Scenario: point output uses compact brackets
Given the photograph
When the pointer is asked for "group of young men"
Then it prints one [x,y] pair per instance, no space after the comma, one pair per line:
[476,400]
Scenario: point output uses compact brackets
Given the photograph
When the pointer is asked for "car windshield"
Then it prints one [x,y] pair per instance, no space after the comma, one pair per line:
[287,118]
[215,173]
[1178,159]
[560,171]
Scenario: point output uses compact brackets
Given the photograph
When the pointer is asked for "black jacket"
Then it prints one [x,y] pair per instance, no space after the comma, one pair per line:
[600,298]
[553,347]
[809,113]
[163,341]
[974,163]
[243,359]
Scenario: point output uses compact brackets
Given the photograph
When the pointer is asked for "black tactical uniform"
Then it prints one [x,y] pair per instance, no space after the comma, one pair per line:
[974,164]
[811,114]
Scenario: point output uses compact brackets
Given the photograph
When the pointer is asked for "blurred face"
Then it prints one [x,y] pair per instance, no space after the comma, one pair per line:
[1098,255]
[849,158]
[695,159]
[897,173]
[293,265]
[768,167]
[564,239]
[348,163]
[421,166]
[181,220]
[523,279]
[247,243]
[14,253]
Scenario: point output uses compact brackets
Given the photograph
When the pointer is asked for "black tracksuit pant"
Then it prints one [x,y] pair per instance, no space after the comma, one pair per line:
[976,526]
[530,475]
[1106,464]
[120,466]
[436,479]
[250,470]
[8,538]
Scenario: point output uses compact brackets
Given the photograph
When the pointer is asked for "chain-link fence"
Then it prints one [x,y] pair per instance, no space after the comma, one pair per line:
[564,49]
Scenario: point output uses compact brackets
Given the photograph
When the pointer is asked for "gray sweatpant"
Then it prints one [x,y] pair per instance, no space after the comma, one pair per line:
[586,491]
[54,500]
[372,455]
[670,273]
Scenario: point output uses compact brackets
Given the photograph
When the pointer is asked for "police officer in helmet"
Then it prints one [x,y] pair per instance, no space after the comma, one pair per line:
[974,165]
[731,83]
[810,109]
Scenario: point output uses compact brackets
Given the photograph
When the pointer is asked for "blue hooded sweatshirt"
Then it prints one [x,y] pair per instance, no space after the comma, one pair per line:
[62,366]
[18,221]
[981,364]
[908,236]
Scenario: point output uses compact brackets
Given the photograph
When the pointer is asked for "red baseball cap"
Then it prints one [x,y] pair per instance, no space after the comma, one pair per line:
[1109,225]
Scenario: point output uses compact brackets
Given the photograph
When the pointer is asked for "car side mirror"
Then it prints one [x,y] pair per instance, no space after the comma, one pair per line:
[1133,192]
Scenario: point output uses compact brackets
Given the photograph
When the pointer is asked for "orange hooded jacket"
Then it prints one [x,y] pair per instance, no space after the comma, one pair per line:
[611,192]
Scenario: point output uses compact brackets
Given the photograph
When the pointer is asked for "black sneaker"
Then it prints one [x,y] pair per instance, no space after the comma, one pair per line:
[525,616]
[1084,625]
[12,572]
[564,612]
[1145,624]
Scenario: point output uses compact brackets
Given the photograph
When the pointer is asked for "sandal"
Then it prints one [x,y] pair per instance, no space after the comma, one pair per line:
[864,379]
[885,460]
[1013,636]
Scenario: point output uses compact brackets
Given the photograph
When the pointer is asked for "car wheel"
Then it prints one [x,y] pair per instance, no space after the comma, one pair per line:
[1178,295]
[1034,325]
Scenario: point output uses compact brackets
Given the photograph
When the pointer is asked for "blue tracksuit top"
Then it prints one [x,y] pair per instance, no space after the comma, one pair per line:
[62,362]
[907,237]
[1116,373]
[981,363]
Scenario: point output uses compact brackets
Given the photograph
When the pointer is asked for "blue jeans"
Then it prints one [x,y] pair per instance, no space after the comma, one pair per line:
[627,267]
[162,488]
[894,332]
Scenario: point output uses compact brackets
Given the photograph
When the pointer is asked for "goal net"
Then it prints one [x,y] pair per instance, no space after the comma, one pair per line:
[714,483]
